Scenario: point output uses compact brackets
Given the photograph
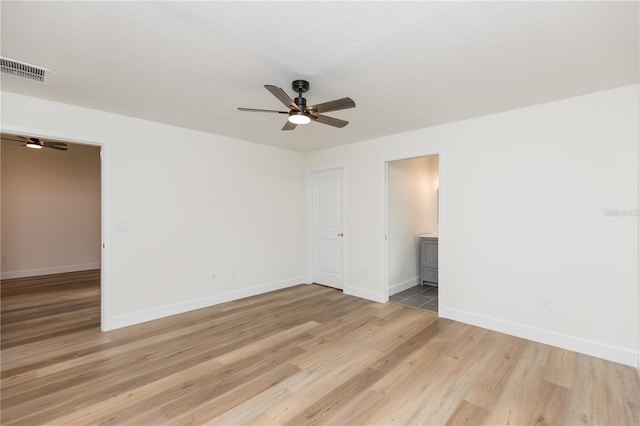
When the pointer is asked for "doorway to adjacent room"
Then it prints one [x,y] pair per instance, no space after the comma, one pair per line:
[412,210]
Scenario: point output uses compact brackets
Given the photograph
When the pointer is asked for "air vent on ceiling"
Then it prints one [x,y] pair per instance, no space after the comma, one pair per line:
[24,70]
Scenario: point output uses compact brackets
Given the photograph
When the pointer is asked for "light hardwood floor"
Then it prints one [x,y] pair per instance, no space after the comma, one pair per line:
[303,355]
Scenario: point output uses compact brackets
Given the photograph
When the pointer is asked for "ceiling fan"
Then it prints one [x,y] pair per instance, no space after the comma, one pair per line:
[301,113]
[38,143]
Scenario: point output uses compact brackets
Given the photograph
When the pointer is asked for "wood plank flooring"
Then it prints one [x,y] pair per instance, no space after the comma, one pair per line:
[303,355]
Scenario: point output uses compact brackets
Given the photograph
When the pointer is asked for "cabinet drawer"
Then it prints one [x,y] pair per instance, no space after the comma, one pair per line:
[430,275]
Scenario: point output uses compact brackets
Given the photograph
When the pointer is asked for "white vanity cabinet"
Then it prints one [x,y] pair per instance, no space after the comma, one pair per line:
[429,260]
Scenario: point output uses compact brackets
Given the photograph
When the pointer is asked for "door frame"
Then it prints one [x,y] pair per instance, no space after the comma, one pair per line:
[441,216]
[105,207]
[309,224]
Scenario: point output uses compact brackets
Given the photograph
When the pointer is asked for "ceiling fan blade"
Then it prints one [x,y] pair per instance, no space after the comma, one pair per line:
[282,96]
[19,140]
[289,125]
[60,146]
[334,105]
[57,143]
[262,110]
[335,122]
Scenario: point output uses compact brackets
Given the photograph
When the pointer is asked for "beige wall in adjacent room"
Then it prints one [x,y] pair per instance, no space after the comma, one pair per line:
[50,209]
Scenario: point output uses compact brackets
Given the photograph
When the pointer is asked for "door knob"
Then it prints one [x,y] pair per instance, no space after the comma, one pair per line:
[340,234]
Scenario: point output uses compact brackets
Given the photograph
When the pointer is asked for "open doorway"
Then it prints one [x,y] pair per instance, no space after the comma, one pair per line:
[412,231]
[52,225]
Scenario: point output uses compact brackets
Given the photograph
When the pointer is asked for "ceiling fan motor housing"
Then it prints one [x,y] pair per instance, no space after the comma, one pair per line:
[300,86]
[301,102]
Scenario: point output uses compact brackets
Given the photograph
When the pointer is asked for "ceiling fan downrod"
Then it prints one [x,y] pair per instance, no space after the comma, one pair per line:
[300,86]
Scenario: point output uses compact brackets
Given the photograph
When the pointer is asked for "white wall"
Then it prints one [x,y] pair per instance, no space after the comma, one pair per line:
[523,202]
[195,204]
[50,210]
[523,196]
[408,200]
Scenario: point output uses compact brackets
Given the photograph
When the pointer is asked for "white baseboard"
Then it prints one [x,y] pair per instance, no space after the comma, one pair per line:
[48,271]
[405,285]
[589,347]
[190,305]
[364,294]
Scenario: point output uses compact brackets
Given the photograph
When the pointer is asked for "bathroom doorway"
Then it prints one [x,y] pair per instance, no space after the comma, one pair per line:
[413,217]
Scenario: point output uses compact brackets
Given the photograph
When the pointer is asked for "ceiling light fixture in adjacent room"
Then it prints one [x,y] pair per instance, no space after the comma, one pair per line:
[34,145]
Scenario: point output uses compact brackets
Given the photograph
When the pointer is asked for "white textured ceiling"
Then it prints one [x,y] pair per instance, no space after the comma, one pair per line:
[407,65]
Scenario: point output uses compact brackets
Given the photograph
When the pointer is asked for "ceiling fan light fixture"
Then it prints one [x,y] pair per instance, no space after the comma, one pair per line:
[299,117]
[299,112]
[33,145]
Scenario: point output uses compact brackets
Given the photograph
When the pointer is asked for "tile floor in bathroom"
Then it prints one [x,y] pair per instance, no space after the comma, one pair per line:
[423,297]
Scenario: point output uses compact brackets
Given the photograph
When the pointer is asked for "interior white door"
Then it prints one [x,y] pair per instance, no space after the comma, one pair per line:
[327,236]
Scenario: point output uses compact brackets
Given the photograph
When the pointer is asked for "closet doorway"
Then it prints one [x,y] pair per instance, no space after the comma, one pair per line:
[327,224]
